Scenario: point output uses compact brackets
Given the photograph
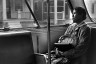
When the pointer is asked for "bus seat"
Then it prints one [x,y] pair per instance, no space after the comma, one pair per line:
[91,53]
[90,56]
[16,48]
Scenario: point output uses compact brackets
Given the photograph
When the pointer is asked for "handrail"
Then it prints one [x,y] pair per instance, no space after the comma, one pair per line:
[70,5]
[38,26]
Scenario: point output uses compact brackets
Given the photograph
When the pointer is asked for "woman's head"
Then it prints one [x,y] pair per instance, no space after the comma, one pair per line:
[79,14]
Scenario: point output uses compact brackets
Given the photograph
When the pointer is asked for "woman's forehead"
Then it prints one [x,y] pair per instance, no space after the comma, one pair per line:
[74,11]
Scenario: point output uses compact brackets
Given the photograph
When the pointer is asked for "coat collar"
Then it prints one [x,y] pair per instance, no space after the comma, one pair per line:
[80,25]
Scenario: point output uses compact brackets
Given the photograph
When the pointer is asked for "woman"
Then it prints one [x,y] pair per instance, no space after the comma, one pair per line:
[78,35]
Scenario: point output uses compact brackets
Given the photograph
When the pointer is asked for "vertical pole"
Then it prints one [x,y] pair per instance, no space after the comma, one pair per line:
[4,10]
[48,31]
[55,12]
[42,9]
[64,5]
[37,44]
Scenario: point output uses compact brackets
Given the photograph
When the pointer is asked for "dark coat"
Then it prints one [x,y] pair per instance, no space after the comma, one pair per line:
[81,44]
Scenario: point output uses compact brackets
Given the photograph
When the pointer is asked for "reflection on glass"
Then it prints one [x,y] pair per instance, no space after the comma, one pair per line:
[51,9]
[60,16]
[60,3]
[51,3]
[60,9]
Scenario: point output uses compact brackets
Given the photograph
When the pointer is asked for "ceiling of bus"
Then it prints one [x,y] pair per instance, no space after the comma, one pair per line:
[77,3]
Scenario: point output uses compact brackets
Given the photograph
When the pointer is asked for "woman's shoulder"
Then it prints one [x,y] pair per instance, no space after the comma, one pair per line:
[72,25]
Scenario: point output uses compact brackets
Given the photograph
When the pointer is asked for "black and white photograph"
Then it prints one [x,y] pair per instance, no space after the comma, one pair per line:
[47,32]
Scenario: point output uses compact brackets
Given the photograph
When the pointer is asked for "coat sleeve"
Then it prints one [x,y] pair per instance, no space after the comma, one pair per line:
[69,29]
[83,43]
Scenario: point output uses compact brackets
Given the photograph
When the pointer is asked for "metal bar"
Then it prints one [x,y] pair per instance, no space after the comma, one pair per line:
[38,26]
[70,5]
[48,31]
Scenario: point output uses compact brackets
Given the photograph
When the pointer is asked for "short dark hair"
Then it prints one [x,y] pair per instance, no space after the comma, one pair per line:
[80,10]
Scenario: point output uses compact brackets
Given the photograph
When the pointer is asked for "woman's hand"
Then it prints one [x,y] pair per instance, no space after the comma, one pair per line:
[62,38]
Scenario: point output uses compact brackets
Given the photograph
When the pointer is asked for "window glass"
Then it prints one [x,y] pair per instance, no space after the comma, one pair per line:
[59,15]
[18,5]
[18,10]
[91,8]
[51,3]
[60,9]
[51,9]
[60,3]
[57,7]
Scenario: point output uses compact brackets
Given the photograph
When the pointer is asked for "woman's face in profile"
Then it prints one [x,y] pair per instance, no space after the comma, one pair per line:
[76,16]
[74,13]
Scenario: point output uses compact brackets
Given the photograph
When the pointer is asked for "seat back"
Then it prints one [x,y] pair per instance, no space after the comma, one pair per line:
[16,48]
[90,56]
[91,53]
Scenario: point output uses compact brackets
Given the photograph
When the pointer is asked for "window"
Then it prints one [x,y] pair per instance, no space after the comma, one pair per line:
[91,8]
[51,10]
[40,11]
[62,12]
[18,5]
[51,6]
